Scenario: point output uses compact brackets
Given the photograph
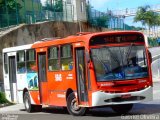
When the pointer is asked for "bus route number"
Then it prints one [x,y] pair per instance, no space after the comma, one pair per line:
[58,77]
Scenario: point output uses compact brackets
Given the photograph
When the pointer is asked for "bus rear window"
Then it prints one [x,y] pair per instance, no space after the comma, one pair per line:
[21,68]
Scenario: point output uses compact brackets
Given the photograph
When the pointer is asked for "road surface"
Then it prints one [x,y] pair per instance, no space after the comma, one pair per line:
[141,110]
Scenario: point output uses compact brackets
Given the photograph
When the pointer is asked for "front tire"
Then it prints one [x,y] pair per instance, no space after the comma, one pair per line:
[28,106]
[122,109]
[72,106]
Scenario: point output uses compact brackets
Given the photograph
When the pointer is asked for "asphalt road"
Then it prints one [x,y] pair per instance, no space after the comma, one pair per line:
[155,63]
[140,111]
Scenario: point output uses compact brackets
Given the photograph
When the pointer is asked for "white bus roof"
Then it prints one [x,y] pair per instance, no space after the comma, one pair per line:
[17,48]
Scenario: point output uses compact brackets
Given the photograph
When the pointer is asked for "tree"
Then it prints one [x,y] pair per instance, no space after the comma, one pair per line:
[11,5]
[147,17]
[140,15]
[55,6]
[102,21]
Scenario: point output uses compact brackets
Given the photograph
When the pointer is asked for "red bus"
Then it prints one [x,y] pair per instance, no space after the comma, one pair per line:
[78,72]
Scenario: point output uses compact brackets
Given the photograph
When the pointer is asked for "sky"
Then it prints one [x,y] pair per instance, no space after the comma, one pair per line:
[103,5]
[115,5]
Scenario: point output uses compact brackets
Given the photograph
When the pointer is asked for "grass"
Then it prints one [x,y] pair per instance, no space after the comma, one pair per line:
[3,99]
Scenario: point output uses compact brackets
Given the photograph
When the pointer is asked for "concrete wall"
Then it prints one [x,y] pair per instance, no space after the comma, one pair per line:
[26,34]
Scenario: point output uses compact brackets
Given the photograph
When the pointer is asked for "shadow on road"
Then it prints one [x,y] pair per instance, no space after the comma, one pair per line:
[143,108]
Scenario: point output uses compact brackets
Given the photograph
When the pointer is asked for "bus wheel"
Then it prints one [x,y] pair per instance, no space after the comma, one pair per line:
[122,109]
[72,106]
[27,103]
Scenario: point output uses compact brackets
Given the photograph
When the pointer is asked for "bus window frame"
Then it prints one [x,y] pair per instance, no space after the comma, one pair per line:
[17,61]
[72,57]
[48,58]
[121,45]
[27,58]
[5,59]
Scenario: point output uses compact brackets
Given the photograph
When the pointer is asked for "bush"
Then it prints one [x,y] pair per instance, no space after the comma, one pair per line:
[3,98]
[153,42]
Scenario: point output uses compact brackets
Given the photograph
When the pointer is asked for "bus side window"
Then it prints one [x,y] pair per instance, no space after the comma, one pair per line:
[21,68]
[5,63]
[53,58]
[66,57]
[31,61]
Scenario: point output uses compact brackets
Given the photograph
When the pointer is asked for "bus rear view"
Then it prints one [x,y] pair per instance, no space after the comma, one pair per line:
[120,63]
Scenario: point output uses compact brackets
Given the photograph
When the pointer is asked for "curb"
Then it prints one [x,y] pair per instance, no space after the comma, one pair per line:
[5,105]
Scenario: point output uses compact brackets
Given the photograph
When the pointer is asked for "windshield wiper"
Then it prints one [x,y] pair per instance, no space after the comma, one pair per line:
[104,65]
[112,55]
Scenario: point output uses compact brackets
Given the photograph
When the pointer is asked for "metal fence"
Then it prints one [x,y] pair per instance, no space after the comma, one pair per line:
[105,19]
[32,12]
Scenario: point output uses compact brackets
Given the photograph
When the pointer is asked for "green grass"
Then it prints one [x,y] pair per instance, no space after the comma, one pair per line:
[3,99]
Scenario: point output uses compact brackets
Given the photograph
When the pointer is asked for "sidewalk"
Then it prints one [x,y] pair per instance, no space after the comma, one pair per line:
[12,108]
[156,79]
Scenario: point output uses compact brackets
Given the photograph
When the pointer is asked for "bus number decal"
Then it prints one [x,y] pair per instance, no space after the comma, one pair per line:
[58,77]
[60,95]
[69,77]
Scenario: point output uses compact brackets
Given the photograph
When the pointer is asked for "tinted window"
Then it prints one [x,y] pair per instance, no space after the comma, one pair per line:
[21,62]
[31,61]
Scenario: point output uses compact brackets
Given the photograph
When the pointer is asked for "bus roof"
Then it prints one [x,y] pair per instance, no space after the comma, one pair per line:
[84,36]
[17,48]
[81,37]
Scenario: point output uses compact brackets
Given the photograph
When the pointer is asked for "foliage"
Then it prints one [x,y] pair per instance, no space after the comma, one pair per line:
[102,21]
[127,27]
[56,7]
[147,16]
[11,5]
[152,42]
[3,98]
[140,14]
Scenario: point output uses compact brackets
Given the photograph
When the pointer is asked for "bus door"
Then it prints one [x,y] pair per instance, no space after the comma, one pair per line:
[42,78]
[81,75]
[12,78]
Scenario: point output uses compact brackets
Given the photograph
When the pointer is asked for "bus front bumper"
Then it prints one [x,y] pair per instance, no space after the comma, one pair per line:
[101,98]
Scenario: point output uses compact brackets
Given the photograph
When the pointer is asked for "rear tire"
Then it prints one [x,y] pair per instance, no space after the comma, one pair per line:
[72,106]
[122,109]
[28,106]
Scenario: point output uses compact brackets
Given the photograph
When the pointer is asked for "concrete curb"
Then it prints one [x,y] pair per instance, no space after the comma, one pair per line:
[3,105]
[6,104]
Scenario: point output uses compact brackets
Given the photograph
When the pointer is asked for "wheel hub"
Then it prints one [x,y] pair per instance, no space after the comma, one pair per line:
[27,103]
[74,105]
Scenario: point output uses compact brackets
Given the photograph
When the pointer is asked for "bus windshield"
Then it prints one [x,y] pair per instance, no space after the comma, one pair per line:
[120,62]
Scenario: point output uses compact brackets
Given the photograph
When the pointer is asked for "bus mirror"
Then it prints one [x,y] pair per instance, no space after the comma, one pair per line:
[150,56]
[87,57]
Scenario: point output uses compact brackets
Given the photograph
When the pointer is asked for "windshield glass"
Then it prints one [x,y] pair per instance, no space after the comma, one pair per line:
[119,63]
